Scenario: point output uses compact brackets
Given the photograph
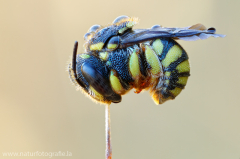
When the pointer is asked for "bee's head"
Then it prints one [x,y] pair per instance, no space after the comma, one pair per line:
[91,75]
[90,72]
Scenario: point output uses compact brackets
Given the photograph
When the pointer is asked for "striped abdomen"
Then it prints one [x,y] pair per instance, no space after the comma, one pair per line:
[161,66]
[175,69]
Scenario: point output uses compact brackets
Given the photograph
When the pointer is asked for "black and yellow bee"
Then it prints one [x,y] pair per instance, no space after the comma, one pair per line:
[118,58]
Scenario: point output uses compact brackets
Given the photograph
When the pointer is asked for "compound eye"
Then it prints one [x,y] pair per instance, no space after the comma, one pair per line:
[96,79]
[94,28]
[120,18]
[100,83]
[113,43]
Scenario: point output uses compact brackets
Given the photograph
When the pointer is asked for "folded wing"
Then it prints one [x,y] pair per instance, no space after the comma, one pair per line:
[191,33]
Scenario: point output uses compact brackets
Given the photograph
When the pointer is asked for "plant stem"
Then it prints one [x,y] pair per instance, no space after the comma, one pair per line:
[108,152]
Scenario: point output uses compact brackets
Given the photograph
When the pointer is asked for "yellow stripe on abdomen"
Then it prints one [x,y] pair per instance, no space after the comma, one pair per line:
[176,68]
[152,60]
[173,54]
[182,80]
[176,91]
[183,67]
[158,46]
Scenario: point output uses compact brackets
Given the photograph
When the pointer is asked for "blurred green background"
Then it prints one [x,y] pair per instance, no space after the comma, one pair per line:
[42,111]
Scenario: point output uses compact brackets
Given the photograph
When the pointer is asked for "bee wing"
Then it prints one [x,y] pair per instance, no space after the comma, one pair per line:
[190,33]
[198,27]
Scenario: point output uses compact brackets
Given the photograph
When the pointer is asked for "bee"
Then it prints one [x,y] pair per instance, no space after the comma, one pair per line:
[118,59]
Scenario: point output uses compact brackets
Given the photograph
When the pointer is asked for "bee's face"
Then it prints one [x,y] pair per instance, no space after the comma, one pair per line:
[117,59]
[92,76]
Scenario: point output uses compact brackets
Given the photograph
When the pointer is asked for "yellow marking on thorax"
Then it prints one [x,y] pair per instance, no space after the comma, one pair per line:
[84,56]
[131,24]
[173,54]
[153,61]
[115,83]
[122,30]
[183,66]
[97,46]
[103,55]
[112,46]
[158,46]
